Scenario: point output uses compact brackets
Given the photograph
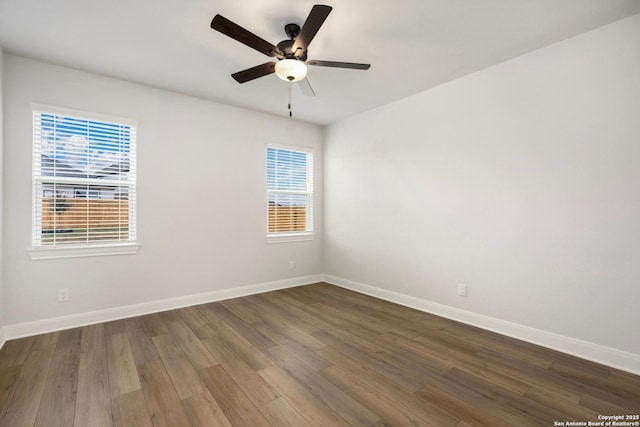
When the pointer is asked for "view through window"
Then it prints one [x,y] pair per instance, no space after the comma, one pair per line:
[83,179]
[289,190]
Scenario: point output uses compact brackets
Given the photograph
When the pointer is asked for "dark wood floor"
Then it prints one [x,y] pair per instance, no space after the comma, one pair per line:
[314,355]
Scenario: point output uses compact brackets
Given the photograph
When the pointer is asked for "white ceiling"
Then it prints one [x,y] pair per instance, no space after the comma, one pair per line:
[412,45]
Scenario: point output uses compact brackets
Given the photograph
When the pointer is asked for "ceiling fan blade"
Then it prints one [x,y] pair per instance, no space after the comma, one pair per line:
[236,32]
[310,27]
[254,72]
[305,87]
[335,64]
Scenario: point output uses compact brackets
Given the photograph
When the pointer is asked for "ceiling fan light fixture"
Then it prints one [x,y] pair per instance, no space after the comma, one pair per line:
[291,70]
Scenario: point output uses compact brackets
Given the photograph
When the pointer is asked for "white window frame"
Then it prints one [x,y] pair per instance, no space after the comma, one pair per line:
[39,251]
[293,236]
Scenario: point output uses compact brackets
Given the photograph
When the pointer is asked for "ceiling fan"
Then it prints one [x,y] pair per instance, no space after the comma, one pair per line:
[291,54]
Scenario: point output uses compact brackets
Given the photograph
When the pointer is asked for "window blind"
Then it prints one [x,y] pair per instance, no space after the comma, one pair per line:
[289,190]
[84,179]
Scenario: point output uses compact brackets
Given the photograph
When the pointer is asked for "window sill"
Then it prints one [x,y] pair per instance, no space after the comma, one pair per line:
[83,251]
[290,237]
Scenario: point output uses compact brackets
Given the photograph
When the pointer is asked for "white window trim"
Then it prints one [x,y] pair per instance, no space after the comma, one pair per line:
[293,236]
[128,247]
[56,252]
[300,236]
[86,114]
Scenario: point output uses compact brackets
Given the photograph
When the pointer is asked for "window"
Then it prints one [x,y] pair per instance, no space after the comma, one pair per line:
[289,194]
[84,184]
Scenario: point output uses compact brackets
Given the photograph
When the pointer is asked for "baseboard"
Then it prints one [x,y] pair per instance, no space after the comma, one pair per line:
[82,319]
[614,358]
[2,337]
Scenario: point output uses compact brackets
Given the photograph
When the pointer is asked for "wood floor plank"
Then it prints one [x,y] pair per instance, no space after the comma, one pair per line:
[93,338]
[366,322]
[45,340]
[506,402]
[93,404]
[534,375]
[290,345]
[190,344]
[384,321]
[163,404]
[573,411]
[458,408]
[378,403]
[181,332]
[420,352]
[488,341]
[115,327]
[123,376]
[283,326]
[236,406]
[183,375]
[464,359]
[196,322]
[400,360]
[596,377]
[218,348]
[203,411]
[302,400]
[600,406]
[408,380]
[279,413]
[59,396]
[322,319]
[133,323]
[244,309]
[309,321]
[348,334]
[477,399]
[15,352]
[311,360]
[297,294]
[236,342]
[317,295]
[610,400]
[250,334]
[249,381]
[21,407]
[130,410]
[279,308]
[142,346]
[155,324]
[337,400]
[389,390]
[8,378]
[364,339]
[198,354]
[628,380]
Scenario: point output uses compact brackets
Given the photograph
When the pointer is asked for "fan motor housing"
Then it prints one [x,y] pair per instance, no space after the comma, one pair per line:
[286,46]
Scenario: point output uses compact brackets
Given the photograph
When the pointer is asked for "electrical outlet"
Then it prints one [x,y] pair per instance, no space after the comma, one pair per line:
[292,265]
[63,295]
[462,290]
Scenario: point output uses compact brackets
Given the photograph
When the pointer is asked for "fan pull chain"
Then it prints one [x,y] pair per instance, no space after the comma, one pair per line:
[289,105]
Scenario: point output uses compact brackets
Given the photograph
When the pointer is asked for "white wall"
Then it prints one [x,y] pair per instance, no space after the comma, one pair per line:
[521,181]
[201,198]
[1,200]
